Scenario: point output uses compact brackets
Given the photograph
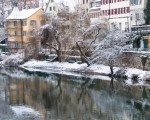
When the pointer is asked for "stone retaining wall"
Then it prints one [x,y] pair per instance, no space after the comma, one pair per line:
[133,59]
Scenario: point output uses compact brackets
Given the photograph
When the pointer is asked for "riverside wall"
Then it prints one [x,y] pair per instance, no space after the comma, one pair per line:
[133,59]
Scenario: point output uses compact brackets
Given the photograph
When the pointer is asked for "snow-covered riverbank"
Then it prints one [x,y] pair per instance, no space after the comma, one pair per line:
[93,70]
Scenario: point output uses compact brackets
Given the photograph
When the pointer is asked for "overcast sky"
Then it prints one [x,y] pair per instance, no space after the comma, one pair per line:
[70,3]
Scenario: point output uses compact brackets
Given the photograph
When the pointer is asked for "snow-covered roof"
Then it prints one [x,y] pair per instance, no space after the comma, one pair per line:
[95,7]
[24,14]
[96,1]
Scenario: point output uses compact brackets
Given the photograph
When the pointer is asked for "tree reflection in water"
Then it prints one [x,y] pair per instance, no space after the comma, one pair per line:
[67,97]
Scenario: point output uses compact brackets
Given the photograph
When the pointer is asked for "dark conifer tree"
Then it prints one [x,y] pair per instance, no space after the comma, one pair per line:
[147,13]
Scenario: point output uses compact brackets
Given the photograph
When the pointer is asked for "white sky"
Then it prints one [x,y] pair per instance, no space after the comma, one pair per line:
[70,3]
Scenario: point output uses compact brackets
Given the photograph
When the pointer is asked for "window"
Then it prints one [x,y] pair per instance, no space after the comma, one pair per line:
[32,22]
[42,22]
[126,26]
[7,23]
[16,33]
[120,26]
[136,2]
[87,10]
[128,9]
[15,23]
[116,11]
[50,8]
[119,11]
[54,8]
[24,33]
[131,17]
[137,16]
[16,45]
[24,23]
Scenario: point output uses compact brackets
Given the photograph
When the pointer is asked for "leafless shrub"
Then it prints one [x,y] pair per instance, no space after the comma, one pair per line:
[121,73]
[135,77]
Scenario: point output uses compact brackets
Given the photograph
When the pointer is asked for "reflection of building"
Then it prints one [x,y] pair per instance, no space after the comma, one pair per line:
[64,97]
[21,92]
[20,25]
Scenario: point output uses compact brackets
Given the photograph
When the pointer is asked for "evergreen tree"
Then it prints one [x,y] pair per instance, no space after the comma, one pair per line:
[147,12]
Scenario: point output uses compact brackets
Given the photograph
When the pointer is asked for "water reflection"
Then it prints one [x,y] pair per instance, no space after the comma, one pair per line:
[66,97]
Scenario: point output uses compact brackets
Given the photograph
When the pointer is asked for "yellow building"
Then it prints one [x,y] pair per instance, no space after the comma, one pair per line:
[20,25]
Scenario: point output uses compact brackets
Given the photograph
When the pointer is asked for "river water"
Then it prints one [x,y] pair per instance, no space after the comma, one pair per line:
[28,95]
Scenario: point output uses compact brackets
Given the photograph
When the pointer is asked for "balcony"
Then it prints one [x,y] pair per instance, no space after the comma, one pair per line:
[95,5]
[95,8]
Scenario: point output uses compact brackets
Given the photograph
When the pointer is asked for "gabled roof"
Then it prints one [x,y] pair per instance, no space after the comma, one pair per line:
[24,14]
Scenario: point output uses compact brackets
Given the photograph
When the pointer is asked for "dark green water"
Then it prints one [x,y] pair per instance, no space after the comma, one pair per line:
[66,97]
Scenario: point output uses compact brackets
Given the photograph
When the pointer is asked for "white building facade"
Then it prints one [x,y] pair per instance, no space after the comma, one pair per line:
[94,9]
[49,6]
[85,5]
[137,12]
[117,12]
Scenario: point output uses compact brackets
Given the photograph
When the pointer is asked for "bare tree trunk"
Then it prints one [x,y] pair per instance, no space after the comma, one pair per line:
[58,52]
[82,55]
[143,67]
[111,71]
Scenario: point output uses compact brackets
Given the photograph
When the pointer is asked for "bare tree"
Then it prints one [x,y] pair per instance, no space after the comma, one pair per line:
[87,33]
[33,47]
[54,34]
[5,8]
[81,33]
[23,4]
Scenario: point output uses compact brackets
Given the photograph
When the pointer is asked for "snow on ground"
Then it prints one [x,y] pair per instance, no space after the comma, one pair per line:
[64,67]
[100,69]
[25,111]
[95,71]
[46,64]
[49,67]
[140,73]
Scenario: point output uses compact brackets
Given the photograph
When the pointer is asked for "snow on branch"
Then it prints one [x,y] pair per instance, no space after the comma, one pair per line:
[111,47]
